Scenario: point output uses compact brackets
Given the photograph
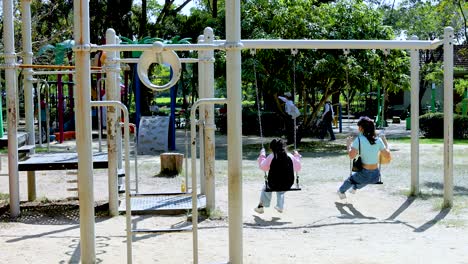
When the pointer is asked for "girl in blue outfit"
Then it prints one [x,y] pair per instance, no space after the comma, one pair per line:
[370,146]
[281,166]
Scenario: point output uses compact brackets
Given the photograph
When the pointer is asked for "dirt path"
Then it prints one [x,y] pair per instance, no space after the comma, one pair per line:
[377,225]
[373,228]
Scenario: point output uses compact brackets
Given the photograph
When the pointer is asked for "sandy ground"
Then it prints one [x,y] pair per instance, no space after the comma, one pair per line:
[379,224]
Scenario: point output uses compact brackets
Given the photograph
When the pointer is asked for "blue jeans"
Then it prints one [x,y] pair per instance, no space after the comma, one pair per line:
[265,199]
[360,179]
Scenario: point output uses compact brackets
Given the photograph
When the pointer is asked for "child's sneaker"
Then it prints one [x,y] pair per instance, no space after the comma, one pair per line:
[259,209]
[341,195]
[352,191]
[280,210]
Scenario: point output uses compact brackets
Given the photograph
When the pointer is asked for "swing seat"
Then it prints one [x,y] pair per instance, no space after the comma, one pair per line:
[379,182]
[289,190]
[267,189]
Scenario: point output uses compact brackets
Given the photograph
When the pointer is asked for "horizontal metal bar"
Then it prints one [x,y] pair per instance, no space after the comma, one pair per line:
[169,230]
[62,72]
[145,47]
[281,44]
[135,60]
[159,194]
[340,44]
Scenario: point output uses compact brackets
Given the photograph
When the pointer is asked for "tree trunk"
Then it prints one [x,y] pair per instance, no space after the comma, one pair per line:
[143,19]
[171,164]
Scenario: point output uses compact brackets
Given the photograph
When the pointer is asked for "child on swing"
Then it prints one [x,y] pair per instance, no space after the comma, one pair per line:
[370,147]
[281,166]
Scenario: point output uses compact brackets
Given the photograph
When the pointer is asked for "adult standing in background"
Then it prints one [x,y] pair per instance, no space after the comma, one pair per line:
[326,121]
[293,112]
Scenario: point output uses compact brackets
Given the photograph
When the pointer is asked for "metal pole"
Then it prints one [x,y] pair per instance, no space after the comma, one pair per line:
[99,112]
[28,91]
[209,126]
[12,95]
[112,94]
[234,124]
[83,131]
[118,138]
[27,73]
[202,77]
[128,210]
[47,112]
[448,117]
[193,157]
[280,44]
[414,189]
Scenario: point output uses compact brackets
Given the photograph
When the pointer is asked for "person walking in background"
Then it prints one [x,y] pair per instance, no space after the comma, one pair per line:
[368,146]
[326,121]
[281,166]
[293,112]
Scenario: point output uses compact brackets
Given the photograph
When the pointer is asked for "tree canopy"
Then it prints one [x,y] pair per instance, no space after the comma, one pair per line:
[314,75]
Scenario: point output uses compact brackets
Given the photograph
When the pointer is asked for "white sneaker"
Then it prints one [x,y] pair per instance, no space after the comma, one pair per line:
[280,210]
[352,191]
[341,195]
[259,210]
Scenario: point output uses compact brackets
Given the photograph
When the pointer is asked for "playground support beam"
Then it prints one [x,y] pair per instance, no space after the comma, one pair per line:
[210,127]
[126,125]
[28,89]
[11,90]
[112,94]
[83,131]
[193,159]
[414,189]
[280,44]
[234,128]
[202,75]
[27,73]
[53,67]
[448,117]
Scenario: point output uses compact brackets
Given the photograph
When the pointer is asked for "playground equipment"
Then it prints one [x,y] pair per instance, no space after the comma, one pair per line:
[232,45]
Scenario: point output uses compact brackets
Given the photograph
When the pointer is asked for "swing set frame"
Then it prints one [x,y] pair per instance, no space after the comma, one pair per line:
[233,44]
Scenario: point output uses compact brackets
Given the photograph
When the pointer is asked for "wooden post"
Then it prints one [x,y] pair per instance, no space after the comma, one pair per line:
[171,163]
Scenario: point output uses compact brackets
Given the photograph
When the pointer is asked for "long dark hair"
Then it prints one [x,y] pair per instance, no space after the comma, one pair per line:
[368,128]
[279,148]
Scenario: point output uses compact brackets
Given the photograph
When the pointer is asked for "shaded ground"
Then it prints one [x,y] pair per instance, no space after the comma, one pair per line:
[379,224]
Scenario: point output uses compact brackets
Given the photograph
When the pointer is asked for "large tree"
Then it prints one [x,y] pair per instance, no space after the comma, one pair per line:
[319,74]
[427,20]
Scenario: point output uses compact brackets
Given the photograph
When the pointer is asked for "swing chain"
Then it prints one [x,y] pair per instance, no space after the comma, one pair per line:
[259,111]
[346,52]
[294,52]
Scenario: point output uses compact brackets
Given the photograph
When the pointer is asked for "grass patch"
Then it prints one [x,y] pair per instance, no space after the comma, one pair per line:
[430,141]
[43,200]
[321,147]
[453,223]
[4,196]
[423,194]
[459,206]
[215,214]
